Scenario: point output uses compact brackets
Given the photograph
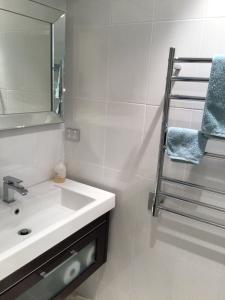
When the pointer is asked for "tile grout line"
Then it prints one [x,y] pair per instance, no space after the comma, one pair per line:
[151,21]
[132,103]
[108,92]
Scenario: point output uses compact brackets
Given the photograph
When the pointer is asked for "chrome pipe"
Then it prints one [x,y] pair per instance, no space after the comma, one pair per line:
[193,185]
[189,216]
[196,202]
[189,79]
[185,97]
[192,60]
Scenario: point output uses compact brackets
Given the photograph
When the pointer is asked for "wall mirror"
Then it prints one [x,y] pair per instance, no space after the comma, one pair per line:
[32,48]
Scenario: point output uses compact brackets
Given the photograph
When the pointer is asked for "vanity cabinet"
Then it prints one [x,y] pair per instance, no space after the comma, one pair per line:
[58,271]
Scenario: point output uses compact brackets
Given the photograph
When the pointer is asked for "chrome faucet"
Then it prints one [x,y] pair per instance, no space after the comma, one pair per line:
[11,184]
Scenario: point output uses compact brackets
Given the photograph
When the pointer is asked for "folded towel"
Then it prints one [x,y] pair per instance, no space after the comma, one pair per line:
[213,122]
[186,145]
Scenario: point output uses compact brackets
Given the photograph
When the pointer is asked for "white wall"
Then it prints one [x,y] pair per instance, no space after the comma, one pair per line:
[31,154]
[117,54]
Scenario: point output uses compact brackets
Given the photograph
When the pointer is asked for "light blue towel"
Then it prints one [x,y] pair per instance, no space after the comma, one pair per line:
[213,122]
[186,145]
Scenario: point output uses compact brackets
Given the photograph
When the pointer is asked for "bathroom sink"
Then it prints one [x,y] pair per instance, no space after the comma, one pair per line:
[46,216]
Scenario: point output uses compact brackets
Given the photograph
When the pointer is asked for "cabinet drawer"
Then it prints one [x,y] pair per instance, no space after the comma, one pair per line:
[62,273]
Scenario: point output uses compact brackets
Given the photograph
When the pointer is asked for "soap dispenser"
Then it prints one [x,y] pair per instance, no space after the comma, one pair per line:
[60,173]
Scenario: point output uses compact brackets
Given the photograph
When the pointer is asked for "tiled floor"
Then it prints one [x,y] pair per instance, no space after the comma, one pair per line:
[76,297]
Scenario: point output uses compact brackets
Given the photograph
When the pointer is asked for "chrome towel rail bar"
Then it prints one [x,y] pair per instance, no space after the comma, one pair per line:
[185,97]
[196,202]
[214,155]
[190,79]
[156,200]
[192,217]
[193,185]
[192,60]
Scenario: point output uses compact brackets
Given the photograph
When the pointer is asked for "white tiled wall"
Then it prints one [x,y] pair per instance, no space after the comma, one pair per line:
[116,67]
[31,154]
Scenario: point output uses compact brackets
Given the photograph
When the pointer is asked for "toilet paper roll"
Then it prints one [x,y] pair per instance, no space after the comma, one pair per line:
[71,272]
[87,257]
[90,258]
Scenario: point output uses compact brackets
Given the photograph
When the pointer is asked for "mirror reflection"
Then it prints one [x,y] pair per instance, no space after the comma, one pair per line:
[59,47]
[25,64]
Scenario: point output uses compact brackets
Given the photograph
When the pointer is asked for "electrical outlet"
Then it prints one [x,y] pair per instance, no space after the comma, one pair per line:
[73,134]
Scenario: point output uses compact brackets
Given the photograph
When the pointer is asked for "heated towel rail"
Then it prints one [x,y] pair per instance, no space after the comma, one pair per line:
[156,199]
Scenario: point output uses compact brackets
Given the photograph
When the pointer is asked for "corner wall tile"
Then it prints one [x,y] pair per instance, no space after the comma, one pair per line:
[84,172]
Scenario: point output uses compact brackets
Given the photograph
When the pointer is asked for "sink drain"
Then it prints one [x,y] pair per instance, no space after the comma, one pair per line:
[24,231]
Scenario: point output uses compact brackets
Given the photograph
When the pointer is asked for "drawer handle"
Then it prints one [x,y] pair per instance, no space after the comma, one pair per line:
[44,274]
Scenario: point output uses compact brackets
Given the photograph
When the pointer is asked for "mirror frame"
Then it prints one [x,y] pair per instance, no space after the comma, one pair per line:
[41,12]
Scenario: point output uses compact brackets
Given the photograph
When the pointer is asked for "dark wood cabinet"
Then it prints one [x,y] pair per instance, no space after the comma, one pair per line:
[58,271]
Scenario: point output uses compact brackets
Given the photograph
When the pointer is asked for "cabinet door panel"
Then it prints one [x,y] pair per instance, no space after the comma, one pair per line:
[66,270]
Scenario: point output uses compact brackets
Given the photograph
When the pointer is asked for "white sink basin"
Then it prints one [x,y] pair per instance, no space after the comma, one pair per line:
[52,212]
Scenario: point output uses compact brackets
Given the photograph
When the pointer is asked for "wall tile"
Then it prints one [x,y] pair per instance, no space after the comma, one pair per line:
[123,135]
[89,117]
[115,277]
[186,37]
[85,12]
[215,8]
[83,171]
[128,62]
[125,11]
[49,151]
[93,62]
[179,9]
[31,154]
[214,29]
[148,153]
[16,157]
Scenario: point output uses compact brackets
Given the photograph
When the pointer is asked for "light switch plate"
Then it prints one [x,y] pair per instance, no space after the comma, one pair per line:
[72,134]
